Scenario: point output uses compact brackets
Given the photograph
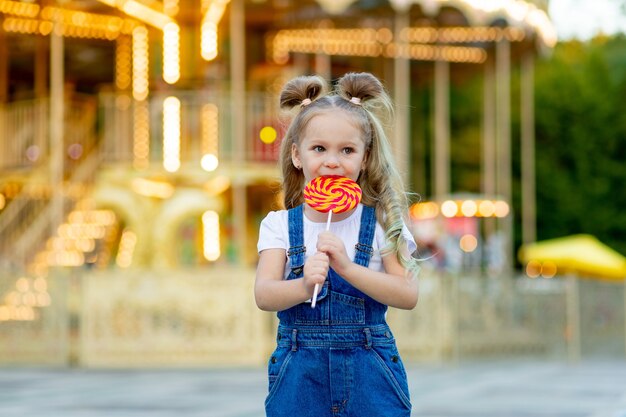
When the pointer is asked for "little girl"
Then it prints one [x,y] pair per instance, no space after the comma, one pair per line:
[339,358]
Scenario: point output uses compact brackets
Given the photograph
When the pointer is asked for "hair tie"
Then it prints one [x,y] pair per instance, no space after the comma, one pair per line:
[305,102]
[355,100]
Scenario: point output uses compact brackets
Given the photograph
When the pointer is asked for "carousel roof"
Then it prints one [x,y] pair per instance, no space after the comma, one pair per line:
[453,30]
[518,13]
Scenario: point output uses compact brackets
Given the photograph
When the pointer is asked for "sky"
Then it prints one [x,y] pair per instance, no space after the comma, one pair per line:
[582,19]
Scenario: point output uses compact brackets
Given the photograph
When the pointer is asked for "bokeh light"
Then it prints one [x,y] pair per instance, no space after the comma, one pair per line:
[209,162]
[449,208]
[468,243]
[268,135]
[533,269]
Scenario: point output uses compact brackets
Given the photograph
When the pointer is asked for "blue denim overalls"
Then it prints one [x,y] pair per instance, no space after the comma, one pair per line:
[340,358]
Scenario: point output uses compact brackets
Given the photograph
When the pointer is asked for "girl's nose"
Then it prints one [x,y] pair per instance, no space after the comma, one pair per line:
[331,161]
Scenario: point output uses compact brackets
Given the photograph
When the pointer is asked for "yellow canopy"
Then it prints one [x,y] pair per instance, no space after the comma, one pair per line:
[581,254]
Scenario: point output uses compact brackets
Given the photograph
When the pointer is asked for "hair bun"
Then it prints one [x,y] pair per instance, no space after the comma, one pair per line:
[360,85]
[300,89]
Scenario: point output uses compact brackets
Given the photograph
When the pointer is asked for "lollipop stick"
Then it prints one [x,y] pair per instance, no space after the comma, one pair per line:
[314,298]
[317,286]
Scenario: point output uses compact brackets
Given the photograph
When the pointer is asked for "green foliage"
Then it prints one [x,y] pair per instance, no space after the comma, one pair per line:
[580,126]
[581,141]
[465,132]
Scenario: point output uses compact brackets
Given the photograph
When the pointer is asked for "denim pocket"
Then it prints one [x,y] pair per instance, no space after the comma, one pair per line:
[347,309]
[391,365]
[318,315]
[276,368]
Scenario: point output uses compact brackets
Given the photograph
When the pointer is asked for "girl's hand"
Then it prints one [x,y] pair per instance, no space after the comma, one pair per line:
[333,246]
[315,271]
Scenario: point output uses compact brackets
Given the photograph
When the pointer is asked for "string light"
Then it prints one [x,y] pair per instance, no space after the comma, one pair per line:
[211,235]
[171,53]
[461,34]
[171,7]
[19,8]
[123,59]
[141,135]
[426,210]
[460,208]
[76,24]
[150,188]
[128,241]
[171,134]
[140,63]
[210,137]
[368,42]
[161,21]
[144,13]
[208,28]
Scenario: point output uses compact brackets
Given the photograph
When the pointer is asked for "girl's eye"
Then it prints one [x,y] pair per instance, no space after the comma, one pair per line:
[318,148]
[348,151]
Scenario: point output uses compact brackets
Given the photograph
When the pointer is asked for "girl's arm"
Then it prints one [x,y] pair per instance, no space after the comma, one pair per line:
[394,287]
[273,293]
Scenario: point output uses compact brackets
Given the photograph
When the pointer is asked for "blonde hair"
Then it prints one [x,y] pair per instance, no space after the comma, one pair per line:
[363,98]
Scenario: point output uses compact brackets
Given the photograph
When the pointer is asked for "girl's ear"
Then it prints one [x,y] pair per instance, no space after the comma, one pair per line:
[364,162]
[295,158]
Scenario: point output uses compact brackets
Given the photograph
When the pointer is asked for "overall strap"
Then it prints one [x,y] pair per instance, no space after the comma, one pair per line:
[364,249]
[297,250]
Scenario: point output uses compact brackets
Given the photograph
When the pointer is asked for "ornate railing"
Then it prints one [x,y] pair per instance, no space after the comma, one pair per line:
[207,317]
[172,318]
[24,132]
[205,121]
[35,321]
[27,220]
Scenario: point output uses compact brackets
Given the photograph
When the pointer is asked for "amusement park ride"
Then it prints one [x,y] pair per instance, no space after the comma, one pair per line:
[140,135]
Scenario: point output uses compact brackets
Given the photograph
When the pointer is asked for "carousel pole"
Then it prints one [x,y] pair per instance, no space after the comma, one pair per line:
[4,65]
[4,89]
[503,142]
[323,64]
[441,147]
[572,299]
[41,92]
[402,91]
[529,227]
[57,114]
[488,180]
[441,187]
[238,122]
[624,291]
[41,67]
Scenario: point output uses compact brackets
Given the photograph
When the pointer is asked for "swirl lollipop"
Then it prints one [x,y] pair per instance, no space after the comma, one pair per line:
[331,194]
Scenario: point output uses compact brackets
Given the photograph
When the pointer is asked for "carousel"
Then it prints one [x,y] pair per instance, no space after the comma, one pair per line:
[138,149]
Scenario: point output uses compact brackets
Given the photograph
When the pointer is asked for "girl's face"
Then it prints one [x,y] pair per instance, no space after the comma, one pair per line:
[331,145]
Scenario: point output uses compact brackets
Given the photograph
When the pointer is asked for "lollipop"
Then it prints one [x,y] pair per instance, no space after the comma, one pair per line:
[331,194]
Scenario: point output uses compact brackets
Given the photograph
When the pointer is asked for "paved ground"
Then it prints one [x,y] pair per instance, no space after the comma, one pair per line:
[487,389]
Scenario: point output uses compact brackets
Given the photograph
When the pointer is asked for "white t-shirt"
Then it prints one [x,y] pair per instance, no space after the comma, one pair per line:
[274,234]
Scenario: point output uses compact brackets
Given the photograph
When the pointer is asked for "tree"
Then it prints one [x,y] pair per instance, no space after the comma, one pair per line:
[581,141]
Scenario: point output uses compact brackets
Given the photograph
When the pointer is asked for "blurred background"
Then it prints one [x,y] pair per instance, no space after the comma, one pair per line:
[138,150]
